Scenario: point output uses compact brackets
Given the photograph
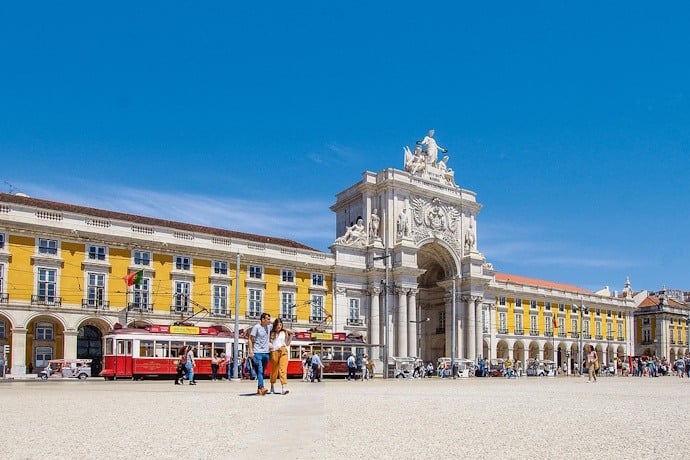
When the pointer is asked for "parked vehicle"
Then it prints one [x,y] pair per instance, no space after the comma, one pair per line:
[541,368]
[463,367]
[66,368]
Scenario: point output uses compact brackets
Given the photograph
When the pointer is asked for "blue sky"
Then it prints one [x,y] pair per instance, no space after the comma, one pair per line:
[571,122]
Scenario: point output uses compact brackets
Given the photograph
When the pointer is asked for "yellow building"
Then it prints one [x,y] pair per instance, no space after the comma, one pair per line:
[62,286]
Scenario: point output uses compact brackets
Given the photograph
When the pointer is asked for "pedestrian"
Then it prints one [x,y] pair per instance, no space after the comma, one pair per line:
[215,364]
[316,367]
[306,365]
[180,370]
[280,341]
[258,349]
[351,367]
[189,364]
[371,367]
[592,363]
[365,361]
[680,367]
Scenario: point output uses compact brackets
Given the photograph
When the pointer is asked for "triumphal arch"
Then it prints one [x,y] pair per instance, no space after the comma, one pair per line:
[406,249]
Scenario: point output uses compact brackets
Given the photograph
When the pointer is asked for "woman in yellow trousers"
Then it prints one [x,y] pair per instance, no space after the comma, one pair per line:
[280,344]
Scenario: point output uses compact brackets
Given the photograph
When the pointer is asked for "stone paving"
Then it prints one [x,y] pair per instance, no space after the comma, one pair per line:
[428,418]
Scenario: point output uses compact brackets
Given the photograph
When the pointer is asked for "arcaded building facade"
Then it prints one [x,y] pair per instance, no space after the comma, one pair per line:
[405,271]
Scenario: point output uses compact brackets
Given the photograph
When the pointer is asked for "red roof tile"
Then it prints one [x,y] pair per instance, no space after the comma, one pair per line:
[507,278]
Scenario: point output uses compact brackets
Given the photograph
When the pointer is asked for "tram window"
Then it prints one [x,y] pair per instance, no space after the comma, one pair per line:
[338,353]
[161,349]
[295,352]
[146,348]
[108,346]
[203,350]
[175,349]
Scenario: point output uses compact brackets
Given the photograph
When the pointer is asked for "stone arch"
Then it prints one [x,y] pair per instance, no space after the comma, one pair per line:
[485,348]
[518,350]
[549,352]
[502,349]
[533,350]
[45,340]
[438,262]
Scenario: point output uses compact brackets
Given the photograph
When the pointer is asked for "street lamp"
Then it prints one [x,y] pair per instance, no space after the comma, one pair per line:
[385,284]
[419,334]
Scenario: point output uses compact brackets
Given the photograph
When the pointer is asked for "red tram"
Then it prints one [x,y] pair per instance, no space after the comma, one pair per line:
[153,352]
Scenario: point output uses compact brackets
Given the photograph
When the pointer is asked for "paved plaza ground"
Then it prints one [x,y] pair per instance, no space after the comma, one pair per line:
[427,418]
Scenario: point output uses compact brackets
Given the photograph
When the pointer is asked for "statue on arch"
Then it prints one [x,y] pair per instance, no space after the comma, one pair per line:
[432,148]
[353,234]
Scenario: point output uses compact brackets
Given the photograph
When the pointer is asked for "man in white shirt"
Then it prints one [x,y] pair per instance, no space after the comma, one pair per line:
[258,345]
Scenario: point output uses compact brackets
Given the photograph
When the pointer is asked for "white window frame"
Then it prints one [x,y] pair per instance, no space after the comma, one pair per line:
[220,267]
[3,330]
[518,302]
[45,297]
[3,240]
[533,324]
[547,306]
[142,258]
[597,328]
[442,320]
[287,300]
[502,322]
[182,294]
[532,304]
[502,301]
[287,275]
[519,326]
[43,351]
[183,263]
[95,289]
[219,302]
[141,295]
[317,279]
[317,308]
[254,302]
[97,252]
[353,311]
[646,335]
[48,246]
[45,331]
[256,272]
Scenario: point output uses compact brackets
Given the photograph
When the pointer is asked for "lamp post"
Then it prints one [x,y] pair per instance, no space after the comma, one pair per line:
[452,333]
[235,345]
[385,283]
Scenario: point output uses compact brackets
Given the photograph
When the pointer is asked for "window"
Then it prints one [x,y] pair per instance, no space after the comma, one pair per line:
[254,307]
[2,329]
[46,246]
[561,326]
[442,320]
[256,272]
[533,325]
[96,253]
[585,328]
[645,321]
[609,331]
[220,300]
[646,336]
[141,296]
[597,312]
[518,324]
[142,258]
[183,263]
[597,329]
[608,313]
[671,334]
[574,308]
[95,288]
[317,313]
[502,323]
[2,279]
[2,241]
[547,306]
[502,301]
[44,331]
[220,267]
[574,330]
[46,289]
[561,307]
[485,322]
[287,300]
[287,276]
[620,314]
[317,279]
[43,355]
[533,304]
[518,303]
[354,309]
[181,297]
[548,326]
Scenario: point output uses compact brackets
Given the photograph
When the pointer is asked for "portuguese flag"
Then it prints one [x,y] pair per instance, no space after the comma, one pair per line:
[134,278]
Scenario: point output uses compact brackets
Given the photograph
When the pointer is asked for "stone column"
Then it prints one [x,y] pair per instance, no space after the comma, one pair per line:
[461,319]
[375,316]
[448,326]
[468,303]
[412,326]
[70,345]
[479,331]
[18,351]
[401,331]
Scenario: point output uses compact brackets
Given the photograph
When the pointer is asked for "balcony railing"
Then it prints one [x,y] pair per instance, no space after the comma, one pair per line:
[563,334]
[548,334]
[599,337]
[140,307]
[609,337]
[286,317]
[95,304]
[519,332]
[620,338]
[46,300]
[179,309]
[253,315]
[220,313]
[316,319]
[574,335]
[355,322]
[502,331]
[534,333]
[4,297]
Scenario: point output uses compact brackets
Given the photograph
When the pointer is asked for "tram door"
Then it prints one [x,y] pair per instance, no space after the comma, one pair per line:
[123,358]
